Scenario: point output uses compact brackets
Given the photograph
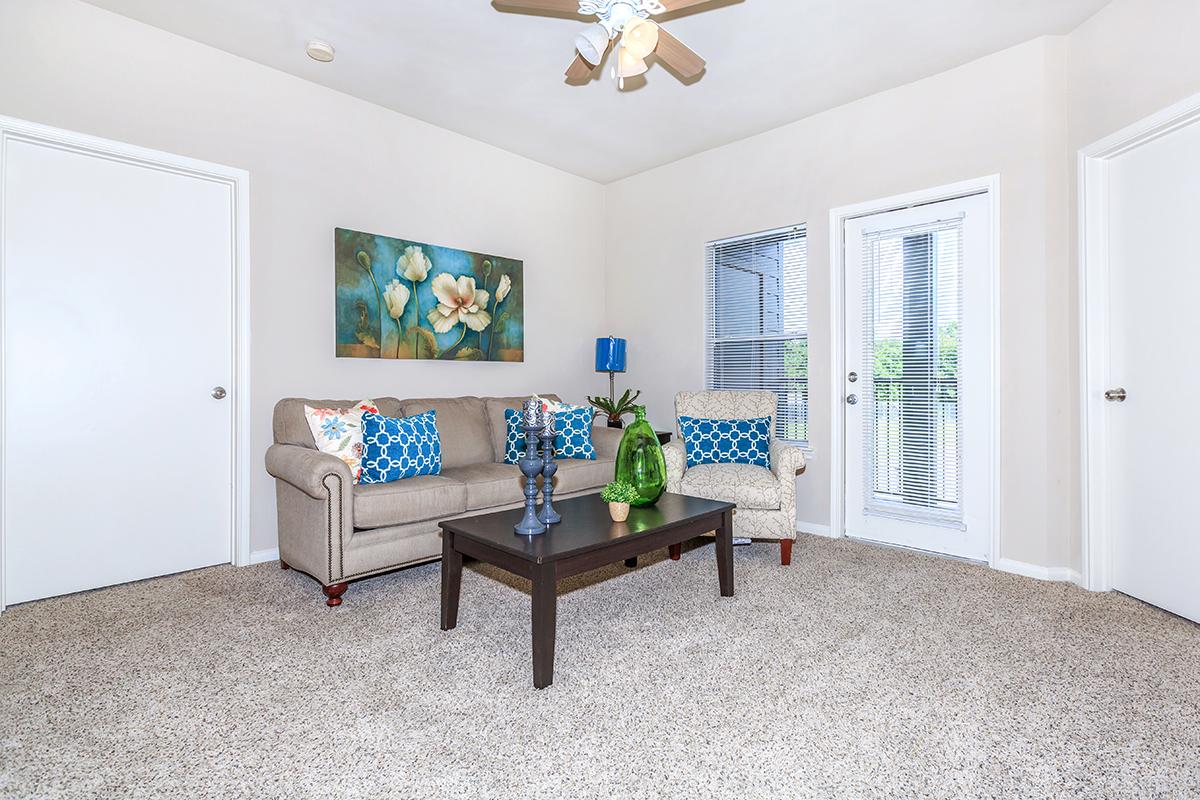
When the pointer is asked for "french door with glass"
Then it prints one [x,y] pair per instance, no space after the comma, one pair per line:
[917,386]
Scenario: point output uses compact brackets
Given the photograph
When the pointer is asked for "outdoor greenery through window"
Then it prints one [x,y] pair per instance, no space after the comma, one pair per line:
[757,321]
[913,319]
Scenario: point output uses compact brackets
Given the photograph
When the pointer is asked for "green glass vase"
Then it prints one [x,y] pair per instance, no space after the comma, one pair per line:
[640,461]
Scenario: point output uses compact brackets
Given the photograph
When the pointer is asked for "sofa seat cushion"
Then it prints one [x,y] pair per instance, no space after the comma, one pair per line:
[409,500]
[577,475]
[490,485]
[462,428]
[747,485]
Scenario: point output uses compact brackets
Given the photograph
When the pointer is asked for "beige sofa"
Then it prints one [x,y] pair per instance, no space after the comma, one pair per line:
[339,532]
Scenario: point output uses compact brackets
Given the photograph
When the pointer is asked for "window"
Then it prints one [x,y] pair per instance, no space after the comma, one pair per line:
[757,321]
[912,319]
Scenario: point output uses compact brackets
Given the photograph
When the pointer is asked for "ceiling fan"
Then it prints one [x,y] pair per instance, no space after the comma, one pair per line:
[627,21]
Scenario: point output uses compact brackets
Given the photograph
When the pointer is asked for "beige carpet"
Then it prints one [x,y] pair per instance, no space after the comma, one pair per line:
[858,672]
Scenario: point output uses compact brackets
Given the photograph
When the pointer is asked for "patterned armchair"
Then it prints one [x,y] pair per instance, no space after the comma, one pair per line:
[765,498]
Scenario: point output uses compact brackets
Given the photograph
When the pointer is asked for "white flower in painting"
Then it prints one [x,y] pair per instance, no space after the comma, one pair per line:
[458,301]
[396,297]
[413,265]
[503,289]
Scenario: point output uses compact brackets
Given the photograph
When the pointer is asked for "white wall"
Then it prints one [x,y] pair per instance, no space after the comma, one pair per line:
[320,159]
[996,115]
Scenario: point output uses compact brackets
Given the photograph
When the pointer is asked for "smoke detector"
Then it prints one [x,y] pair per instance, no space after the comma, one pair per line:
[319,51]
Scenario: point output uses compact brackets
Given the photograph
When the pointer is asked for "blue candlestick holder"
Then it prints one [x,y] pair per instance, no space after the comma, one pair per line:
[531,467]
[548,515]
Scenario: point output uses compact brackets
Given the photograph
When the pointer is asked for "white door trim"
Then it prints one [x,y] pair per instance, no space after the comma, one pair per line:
[238,181]
[989,185]
[1093,167]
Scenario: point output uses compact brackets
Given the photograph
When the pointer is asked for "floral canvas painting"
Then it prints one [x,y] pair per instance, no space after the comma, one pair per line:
[402,299]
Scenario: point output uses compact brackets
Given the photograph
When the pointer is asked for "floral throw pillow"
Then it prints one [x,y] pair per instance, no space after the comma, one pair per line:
[338,431]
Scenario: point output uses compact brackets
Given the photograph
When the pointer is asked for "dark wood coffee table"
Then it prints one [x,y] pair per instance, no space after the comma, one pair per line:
[586,539]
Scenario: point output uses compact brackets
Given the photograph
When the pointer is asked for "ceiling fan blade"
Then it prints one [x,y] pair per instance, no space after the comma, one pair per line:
[678,56]
[679,5]
[580,70]
[553,6]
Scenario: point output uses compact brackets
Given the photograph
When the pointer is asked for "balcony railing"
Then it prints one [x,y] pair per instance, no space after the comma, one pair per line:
[913,454]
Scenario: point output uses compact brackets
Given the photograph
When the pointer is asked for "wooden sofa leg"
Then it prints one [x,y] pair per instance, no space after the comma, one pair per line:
[334,593]
[785,552]
[283,564]
[675,551]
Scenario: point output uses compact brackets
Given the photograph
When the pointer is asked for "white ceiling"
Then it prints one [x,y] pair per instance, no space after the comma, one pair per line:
[498,77]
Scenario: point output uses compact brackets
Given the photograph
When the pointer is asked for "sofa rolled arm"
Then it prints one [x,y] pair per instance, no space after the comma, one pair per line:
[306,469]
[676,458]
[315,507]
[787,460]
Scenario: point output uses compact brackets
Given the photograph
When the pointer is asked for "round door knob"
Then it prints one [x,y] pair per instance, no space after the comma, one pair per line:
[852,399]
[218,392]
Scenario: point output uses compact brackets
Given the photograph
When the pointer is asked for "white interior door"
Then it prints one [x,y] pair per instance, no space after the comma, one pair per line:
[118,282]
[918,377]
[1153,437]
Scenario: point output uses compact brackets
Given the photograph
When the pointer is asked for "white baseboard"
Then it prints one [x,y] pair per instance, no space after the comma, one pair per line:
[813,528]
[260,556]
[1038,572]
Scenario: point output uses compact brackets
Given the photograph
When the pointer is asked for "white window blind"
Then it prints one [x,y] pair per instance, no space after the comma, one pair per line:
[913,324]
[757,321]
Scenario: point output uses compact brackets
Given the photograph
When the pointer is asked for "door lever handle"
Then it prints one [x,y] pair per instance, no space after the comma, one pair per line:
[1115,395]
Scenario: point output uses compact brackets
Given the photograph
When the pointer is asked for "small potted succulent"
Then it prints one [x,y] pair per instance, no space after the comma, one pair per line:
[619,495]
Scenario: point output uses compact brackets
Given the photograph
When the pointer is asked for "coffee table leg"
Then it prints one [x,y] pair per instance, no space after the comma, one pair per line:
[452,562]
[545,601]
[725,554]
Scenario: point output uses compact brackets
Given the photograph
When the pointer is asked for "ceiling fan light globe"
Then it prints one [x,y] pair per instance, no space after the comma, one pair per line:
[629,65]
[592,43]
[640,37]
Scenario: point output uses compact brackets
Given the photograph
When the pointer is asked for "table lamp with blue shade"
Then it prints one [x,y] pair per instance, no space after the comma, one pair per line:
[610,358]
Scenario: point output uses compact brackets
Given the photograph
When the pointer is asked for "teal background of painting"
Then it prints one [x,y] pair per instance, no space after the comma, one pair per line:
[354,286]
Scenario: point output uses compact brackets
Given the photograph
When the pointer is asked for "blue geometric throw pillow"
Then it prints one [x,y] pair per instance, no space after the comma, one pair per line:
[726,441]
[400,447]
[574,439]
[514,439]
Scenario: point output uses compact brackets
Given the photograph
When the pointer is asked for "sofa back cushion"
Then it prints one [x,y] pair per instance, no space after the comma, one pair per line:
[496,424]
[462,426]
[290,426]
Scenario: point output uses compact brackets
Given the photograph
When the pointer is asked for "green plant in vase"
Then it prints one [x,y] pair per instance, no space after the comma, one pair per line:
[640,461]
[616,408]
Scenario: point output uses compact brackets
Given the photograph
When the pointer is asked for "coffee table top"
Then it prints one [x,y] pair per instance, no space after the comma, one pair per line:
[586,525]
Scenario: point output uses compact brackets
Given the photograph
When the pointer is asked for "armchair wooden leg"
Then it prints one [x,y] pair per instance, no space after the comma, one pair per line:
[334,593]
[785,552]
[675,551]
